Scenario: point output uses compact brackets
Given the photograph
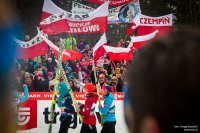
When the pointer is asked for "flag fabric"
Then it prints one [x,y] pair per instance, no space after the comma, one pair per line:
[131,29]
[49,8]
[112,2]
[139,41]
[146,25]
[73,54]
[67,54]
[94,22]
[98,49]
[119,14]
[33,48]
[118,53]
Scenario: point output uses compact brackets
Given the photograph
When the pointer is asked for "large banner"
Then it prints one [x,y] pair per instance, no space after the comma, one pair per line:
[94,22]
[34,114]
[147,25]
[30,49]
[119,14]
[112,2]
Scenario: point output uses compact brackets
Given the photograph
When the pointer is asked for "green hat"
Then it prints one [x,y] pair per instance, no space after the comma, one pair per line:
[101,66]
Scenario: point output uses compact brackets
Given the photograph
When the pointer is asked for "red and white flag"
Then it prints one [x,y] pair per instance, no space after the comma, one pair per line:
[98,50]
[49,8]
[139,41]
[147,25]
[94,22]
[118,53]
[67,54]
[112,2]
[33,48]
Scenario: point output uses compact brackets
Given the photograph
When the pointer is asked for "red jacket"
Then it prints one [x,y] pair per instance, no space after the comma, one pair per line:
[88,110]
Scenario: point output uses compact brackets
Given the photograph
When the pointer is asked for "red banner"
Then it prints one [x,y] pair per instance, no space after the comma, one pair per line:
[77,95]
[94,22]
[147,25]
[33,48]
[112,2]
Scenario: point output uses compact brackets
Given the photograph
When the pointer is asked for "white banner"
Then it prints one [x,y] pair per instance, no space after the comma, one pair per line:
[43,109]
[93,22]
[120,14]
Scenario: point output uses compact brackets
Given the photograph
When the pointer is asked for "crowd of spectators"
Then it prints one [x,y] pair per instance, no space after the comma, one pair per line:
[39,71]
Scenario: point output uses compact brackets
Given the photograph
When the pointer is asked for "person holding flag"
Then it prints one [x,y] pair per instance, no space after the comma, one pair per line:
[87,110]
[108,111]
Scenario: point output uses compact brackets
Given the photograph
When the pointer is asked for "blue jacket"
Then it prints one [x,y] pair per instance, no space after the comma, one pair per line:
[108,110]
[23,98]
[65,100]
[19,100]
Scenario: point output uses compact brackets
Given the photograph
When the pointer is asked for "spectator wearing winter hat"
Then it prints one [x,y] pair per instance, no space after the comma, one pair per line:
[50,78]
[50,63]
[114,84]
[40,84]
[87,110]
[102,82]
[101,69]
[108,111]
[66,106]
[29,83]
[69,73]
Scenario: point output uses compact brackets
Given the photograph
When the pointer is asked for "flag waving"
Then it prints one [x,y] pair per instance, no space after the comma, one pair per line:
[139,41]
[118,53]
[67,54]
[94,22]
[49,8]
[98,50]
[33,48]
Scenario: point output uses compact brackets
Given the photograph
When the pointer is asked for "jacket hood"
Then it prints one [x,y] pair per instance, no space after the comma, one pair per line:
[69,69]
[63,89]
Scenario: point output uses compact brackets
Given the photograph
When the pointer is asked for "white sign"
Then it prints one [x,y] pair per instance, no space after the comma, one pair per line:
[120,14]
[43,109]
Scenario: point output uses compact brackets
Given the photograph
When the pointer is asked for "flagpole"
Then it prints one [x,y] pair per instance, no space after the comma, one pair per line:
[96,84]
[125,38]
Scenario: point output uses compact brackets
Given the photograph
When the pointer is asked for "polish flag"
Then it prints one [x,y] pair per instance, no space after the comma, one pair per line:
[67,54]
[98,50]
[49,8]
[33,48]
[131,29]
[139,41]
[94,22]
[118,53]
